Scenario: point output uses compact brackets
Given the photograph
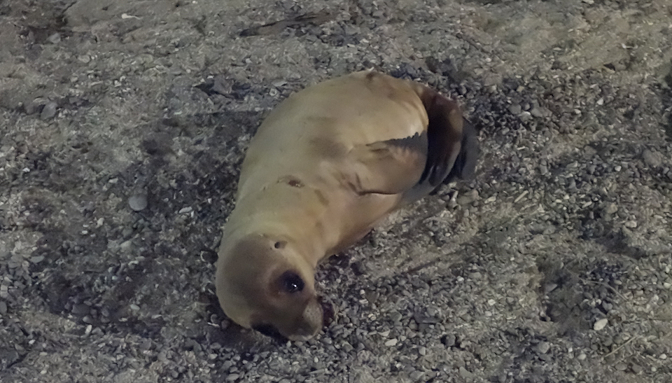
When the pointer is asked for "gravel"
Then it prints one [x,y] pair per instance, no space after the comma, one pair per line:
[125,127]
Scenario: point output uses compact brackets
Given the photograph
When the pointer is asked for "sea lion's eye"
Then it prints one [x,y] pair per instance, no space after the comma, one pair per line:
[291,282]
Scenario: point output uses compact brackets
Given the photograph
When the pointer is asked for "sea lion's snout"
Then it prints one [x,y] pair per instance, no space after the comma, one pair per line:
[301,328]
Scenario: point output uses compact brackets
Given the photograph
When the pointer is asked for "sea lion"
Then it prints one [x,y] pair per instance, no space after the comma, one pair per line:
[326,165]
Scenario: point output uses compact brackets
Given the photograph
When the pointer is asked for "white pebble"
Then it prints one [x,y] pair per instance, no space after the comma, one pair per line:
[391,342]
[600,324]
[138,202]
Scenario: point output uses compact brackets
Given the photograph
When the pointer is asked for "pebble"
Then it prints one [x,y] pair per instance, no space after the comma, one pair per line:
[600,324]
[232,377]
[392,342]
[581,356]
[415,375]
[37,259]
[3,308]
[468,198]
[49,111]
[395,316]
[54,38]
[138,202]
[465,373]
[536,112]
[631,224]
[448,340]
[81,309]
[543,347]
[515,109]
[611,208]
[652,159]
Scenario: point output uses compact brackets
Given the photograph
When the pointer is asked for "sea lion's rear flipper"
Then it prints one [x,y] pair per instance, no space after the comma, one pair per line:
[452,148]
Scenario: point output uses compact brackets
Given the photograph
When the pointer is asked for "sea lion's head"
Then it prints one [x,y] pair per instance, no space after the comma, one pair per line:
[264,283]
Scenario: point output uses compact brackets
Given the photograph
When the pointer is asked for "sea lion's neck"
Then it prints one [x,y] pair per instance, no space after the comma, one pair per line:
[282,211]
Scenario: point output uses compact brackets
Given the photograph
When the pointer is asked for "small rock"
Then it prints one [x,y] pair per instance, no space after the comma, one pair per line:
[8,357]
[49,111]
[138,202]
[611,208]
[631,224]
[652,159]
[81,309]
[392,342]
[3,308]
[536,112]
[600,324]
[636,368]
[448,340]
[581,356]
[543,347]
[525,116]
[55,38]
[32,107]
[468,198]
[515,109]
[126,245]
[395,316]
[415,375]
[465,373]
[232,377]
[550,287]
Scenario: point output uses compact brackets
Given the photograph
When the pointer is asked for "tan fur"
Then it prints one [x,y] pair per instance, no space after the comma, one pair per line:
[310,183]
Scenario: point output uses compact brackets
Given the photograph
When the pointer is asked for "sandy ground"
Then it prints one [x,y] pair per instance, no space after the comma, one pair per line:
[553,265]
